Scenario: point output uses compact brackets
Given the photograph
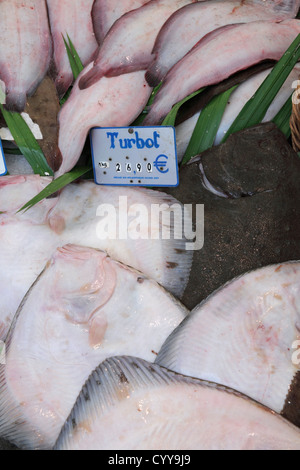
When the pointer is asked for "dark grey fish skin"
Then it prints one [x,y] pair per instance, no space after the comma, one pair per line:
[4,445]
[252,217]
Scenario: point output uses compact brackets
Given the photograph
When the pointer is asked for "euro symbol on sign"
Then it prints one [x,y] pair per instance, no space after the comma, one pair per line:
[161,163]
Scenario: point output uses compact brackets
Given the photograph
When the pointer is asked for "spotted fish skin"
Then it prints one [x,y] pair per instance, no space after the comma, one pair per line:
[24,23]
[129,404]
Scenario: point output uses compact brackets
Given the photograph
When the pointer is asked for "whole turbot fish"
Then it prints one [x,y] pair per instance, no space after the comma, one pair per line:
[25,49]
[219,55]
[187,26]
[110,102]
[106,12]
[74,217]
[129,404]
[128,45]
[83,308]
[237,100]
[70,18]
[246,336]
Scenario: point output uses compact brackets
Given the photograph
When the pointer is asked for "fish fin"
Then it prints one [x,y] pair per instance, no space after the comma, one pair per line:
[177,258]
[90,78]
[153,76]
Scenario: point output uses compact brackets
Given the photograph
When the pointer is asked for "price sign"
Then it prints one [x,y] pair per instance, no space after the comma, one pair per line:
[3,169]
[135,156]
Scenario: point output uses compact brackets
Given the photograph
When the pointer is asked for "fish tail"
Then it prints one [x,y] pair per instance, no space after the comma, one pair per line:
[90,78]
[15,101]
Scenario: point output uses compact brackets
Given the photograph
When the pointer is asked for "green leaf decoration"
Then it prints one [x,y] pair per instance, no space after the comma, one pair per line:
[282,119]
[74,59]
[207,125]
[26,143]
[171,117]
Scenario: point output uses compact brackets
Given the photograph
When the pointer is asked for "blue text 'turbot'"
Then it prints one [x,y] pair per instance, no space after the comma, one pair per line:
[137,142]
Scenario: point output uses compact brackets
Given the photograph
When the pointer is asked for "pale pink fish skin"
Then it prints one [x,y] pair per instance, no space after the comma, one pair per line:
[29,238]
[89,307]
[111,102]
[71,18]
[106,12]
[255,319]
[128,45]
[220,55]
[191,23]
[25,240]
[25,49]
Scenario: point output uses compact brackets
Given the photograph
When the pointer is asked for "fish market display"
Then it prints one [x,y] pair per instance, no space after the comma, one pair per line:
[25,49]
[70,18]
[83,308]
[220,54]
[73,217]
[106,12]
[111,102]
[129,404]
[123,52]
[258,314]
[187,26]
[250,190]
[236,102]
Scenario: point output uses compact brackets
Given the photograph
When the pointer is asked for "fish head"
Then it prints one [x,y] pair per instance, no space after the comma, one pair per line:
[84,282]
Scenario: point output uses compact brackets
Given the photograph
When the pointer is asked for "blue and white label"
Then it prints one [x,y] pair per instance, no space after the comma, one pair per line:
[3,169]
[135,156]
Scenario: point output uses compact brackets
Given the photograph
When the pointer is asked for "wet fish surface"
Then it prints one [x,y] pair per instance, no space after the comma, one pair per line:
[236,102]
[111,102]
[219,55]
[72,218]
[70,18]
[250,191]
[258,314]
[83,308]
[122,52]
[106,12]
[187,26]
[23,23]
[129,404]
